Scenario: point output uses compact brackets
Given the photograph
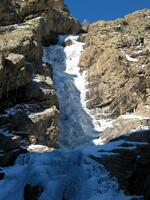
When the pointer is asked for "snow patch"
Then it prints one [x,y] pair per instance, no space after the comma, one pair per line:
[96,150]
[147,17]
[39,148]
[35,79]
[129,58]
[133,116]
[141,128]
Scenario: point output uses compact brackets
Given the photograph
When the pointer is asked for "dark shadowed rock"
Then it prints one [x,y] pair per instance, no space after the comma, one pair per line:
[8,158]
[28,101]
[32,192]
[2,175]
[130,164]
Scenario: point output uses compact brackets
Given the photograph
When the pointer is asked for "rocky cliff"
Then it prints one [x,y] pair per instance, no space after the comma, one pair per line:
[116,58]
[116,62]
[28,102]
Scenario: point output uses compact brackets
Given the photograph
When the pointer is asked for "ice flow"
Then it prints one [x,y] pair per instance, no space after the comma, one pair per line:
[76,124]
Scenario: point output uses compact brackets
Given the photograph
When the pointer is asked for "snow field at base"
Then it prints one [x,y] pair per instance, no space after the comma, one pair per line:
[64,174]
[69,175]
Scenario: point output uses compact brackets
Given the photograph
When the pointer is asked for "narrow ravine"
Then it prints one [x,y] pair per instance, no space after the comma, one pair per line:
[66,173]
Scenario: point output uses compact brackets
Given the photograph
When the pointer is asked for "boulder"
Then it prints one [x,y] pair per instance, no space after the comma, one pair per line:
[15,74]
[68,43]
[8,158]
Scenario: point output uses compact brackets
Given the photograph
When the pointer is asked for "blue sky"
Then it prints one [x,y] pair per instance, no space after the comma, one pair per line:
[93,10]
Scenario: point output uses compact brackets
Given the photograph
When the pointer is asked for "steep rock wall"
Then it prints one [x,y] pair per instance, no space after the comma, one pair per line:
[116,58]
[28,102]
[117,64]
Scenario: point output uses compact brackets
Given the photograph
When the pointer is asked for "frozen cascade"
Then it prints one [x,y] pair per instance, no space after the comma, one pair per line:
[65,174]
[77,125]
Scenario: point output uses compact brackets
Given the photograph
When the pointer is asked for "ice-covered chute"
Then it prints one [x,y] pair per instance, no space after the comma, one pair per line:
[77,125]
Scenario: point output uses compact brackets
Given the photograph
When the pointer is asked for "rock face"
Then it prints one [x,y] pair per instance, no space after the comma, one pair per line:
[116,58]
[28,102]
[130,162]
[13,12]
[117,65]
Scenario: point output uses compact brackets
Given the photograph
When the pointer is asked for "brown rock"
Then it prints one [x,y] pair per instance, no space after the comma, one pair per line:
[16,59]
[116,58]
[9,158]
[137,16]
[15,74]
[122,126]
[26,86]
[68,43]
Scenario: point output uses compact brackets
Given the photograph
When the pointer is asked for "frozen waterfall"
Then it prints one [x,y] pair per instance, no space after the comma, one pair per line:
[65,174]
[76,124]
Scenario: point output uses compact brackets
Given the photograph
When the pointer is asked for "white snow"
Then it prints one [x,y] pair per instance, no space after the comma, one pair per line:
[129,58]
[68,174]
[138,52]
[39,148]
[133,116]
[142,66]
[147,106]
[35,79]
[96,150]
[147,16]
[141,128]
